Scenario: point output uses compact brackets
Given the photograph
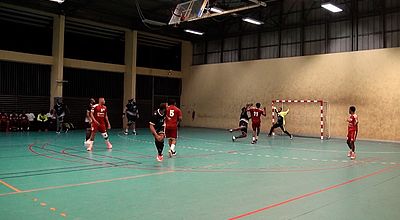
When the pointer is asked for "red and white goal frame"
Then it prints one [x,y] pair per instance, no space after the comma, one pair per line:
[321,103]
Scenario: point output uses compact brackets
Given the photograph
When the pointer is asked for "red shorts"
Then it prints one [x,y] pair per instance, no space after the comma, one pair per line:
[351,135]
[256,125]
[171,133]
[101,128]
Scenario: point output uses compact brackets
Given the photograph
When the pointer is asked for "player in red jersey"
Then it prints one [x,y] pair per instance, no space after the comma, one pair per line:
[172,118]
[99,123]
[255,114]
[352,131]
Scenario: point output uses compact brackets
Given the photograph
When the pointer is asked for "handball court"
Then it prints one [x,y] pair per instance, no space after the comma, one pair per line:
[44,176]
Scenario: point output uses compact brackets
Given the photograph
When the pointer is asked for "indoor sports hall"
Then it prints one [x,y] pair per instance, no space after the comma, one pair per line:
[199,109]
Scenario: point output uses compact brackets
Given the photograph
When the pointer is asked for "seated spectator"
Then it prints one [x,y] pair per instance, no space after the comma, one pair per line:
[14,121]
[43,122]
[23,122]
[52,119]
[4,122]
[31,119]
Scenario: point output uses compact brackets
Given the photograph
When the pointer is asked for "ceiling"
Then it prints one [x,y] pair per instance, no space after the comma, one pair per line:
[130,14]
[125,13]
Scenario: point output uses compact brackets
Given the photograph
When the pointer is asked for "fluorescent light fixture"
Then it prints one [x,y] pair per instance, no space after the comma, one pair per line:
[194,32]
[216,10]
[253,21]
[58,1]
[331,7]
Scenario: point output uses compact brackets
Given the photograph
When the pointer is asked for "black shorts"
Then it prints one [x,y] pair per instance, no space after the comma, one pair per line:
[131,119]
[244,125]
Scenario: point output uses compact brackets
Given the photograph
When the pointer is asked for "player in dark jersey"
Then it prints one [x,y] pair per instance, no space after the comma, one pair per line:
[132,114]
[157,128]
[255,113]
[88,121]
[243,124]
[61,109]
[280,122]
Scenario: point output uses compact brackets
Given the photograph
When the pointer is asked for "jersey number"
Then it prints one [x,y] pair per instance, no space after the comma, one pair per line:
[255,114]
[171,113]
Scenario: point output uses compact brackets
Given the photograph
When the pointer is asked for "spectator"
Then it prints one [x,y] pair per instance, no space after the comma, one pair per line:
[23,122]
[31,119]
[4,122]
[43,122]
[52,119]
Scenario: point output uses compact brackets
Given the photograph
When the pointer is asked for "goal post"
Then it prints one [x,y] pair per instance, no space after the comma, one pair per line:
[307,117]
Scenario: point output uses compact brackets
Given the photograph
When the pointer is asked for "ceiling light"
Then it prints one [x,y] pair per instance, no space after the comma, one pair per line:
[331,7]
[216,10]
[58,1]
[253,21]
[194,32]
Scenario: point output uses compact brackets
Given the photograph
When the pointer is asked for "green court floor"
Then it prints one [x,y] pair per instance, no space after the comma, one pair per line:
[49,176]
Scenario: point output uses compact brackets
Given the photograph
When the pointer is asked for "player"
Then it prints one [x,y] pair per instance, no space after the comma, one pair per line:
[352,131]
[157,129]
[255,113]
[243,124]
[100,123]
[280,123]
[132,114]
[88,121]
[172,119]
[60,110]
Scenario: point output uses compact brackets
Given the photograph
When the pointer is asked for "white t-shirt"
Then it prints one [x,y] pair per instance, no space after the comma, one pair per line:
[31,116]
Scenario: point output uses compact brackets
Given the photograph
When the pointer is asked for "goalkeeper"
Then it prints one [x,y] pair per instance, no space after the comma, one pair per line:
[280,123]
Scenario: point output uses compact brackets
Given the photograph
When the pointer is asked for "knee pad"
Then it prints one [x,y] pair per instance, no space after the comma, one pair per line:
[105,135]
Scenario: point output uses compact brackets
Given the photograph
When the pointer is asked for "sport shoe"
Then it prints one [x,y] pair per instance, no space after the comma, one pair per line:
[291,137]
[160,158]
[231,130]
[353,156]
[125,133]
[233,138]
[253,142]
[171,153]
[134,132]
[109,145]
[349,154]
[89,145]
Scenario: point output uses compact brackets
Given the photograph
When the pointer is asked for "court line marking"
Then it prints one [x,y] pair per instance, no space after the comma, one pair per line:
[10,186]
[387,169]
[86,183]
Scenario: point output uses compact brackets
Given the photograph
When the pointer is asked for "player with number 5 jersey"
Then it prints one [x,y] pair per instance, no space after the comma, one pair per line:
[255,113]
[172,118]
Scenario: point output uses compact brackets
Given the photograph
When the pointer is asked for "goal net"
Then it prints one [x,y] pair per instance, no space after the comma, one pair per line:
[307,118]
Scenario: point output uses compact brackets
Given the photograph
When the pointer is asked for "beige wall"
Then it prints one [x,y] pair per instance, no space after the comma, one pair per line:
[370,80]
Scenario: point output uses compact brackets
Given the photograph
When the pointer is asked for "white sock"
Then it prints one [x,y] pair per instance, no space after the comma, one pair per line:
[254,138]
[172,147]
